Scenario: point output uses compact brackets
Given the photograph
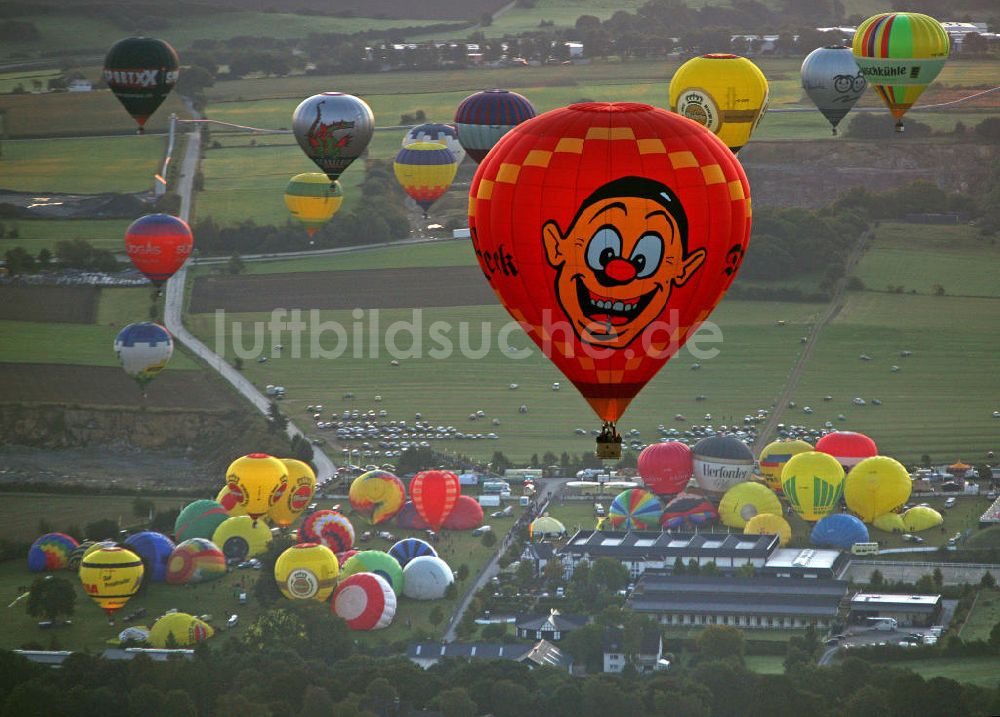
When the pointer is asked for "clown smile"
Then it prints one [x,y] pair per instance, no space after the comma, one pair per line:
[609,310]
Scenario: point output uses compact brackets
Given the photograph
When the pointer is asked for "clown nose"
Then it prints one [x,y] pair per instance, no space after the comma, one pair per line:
[620,270]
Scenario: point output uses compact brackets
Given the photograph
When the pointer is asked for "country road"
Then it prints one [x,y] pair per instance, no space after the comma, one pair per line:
[173,309]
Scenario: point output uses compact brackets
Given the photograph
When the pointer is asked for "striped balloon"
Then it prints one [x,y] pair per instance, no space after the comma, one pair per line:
[313,200]
[445,134]
[407,549]
[483,118]
[635,509]
[330,528]
[425,170]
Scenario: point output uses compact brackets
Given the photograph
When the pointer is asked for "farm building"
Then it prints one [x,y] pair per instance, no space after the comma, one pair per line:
[908,610]
[552,627]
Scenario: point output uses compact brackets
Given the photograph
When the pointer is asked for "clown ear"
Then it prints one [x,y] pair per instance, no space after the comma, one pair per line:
[553,238]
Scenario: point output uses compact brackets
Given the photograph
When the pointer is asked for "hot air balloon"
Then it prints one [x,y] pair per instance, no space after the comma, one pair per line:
[890,523]
[329,528]
[313,200]
[434,494]
[178,629]
[158,245]
[425,171]
[375,561]
[720,462]
[745,500]
[51,551]
[407,549]
[258,480]
[144,350]
[229,498]
[307,571]
[900,53]
[445,134]
[379,495]
[110,576]
[297,495]
[484,118]
[774,457]
[365,601]
[427,577]
[921,517]
[833,81]
[199,520]
[839,530]
[769,524]
[195,561]
[813,483]
[635,509]
[666,467]
[141,71]
[726,93]
[242,537]
[656,200]
[545,527]
[466,515]
[333,130]
[875,486]
[848,447]
[77,554]
[687,508]
[154,549]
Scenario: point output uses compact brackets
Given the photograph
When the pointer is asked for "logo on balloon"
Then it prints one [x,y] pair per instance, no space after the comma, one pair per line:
[618,260]
[698,105]
[301,497]
[321,136]
[302,584]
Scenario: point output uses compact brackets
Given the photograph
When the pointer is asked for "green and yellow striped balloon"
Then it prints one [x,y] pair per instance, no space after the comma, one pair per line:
[900,53]
[312,199]
[813,483]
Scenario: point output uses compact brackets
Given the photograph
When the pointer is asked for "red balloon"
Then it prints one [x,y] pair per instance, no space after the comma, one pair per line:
[158,245]
[434,494]
[610,231]
[848,447]
[466,515]
[666,467]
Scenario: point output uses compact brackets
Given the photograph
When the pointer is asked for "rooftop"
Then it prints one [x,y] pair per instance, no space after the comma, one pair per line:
[893,600]
[802,558]
[664,545]
[554,621]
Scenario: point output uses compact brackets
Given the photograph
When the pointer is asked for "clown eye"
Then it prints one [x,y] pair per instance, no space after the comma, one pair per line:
[604,246]
[646,255]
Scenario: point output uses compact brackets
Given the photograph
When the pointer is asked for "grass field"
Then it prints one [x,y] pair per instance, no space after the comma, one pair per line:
[980,671]
[37,234]
[765,664]
[71,114]
[984,616]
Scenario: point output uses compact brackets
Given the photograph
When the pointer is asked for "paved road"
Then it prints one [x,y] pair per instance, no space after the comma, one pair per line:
[173,313]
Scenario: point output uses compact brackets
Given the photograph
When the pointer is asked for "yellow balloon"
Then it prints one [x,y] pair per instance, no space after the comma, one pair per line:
[229,499]
[745,500]
[726,93]
[307,571]
[921,517]
[297,495]
[875,486]
[186,630]
[774,457]
[769,524]
[110,576]
[813,483]
[313,200]
[242,537]
[256,480]
[890,523]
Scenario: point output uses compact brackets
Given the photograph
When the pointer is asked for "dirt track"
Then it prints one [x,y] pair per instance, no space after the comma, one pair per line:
[366,289]
[44,304]
[109,386]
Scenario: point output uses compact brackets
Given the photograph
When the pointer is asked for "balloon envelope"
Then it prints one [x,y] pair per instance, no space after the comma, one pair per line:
[51,551]
[425,170]
[723,92]
[144,350]
[427,577]
[195,561]
[298,494]
[597,308]
[635,509]
[141,71]
[378,495]
[333,130]
[110,576]
[666,467]
[154,549]
[688,509]
[769,524]
[199,520]
[445,134]
[745,500]
[242,537]
[257,480]
[546,527]
[178,629]
[407,549]
[312,200]
[813,483]
[466,515]
[483,118]
[773,458]
[921,517]
[890,523]
[307,571]
[434,495]
[720,462]
[158,245]
[875,486]
[839,530]
[833,81]
[330,528]
[375,561]
[848,447]
[365,601]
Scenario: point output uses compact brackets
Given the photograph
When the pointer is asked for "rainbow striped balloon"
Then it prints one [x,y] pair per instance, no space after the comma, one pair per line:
[425,171]
[635,509]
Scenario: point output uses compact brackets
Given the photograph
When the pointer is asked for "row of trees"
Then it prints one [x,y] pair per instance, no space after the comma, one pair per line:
[69,254]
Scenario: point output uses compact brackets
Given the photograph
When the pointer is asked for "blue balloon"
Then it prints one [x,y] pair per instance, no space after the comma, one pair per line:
[407,549]
[839,530]
[155,550]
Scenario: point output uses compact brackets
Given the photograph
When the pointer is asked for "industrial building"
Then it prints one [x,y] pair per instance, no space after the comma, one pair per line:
[907,610]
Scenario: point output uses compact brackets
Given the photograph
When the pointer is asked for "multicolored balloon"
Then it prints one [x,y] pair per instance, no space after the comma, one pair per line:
[378,495]
[195,561]
[297,495]
[434,494]
[839,530]
[110,576]
[848,447]
[51,551]
[313,200]
[445,134]
[666,467]
[330,528]
[900,53]
[242,537]
[482,119]
[141,71]
[375,561]
[688,508]
[154,549]
[144,349]
[744,501]
[644,219]
[813,483]
[833,81]
[365,601]
[307,571]
[769,524]
[407,549]
[635,509]
[258,481]
[876,486]
[158,245]
[723,92]
[333,129]
[773,458]
[179,629]
[425,170]
[199,520]
[427,577]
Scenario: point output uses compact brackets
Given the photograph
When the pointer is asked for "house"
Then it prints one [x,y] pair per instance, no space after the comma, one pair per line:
[539,554]
[552,627]
[908,610]
[79,85]
[575,49]
[648,658]
[542,653]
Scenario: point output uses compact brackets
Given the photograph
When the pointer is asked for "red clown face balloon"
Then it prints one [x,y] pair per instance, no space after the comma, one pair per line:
[434,494]
[610,231]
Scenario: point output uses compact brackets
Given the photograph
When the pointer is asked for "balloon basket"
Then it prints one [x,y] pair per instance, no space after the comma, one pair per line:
[609,443]
[899,127]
